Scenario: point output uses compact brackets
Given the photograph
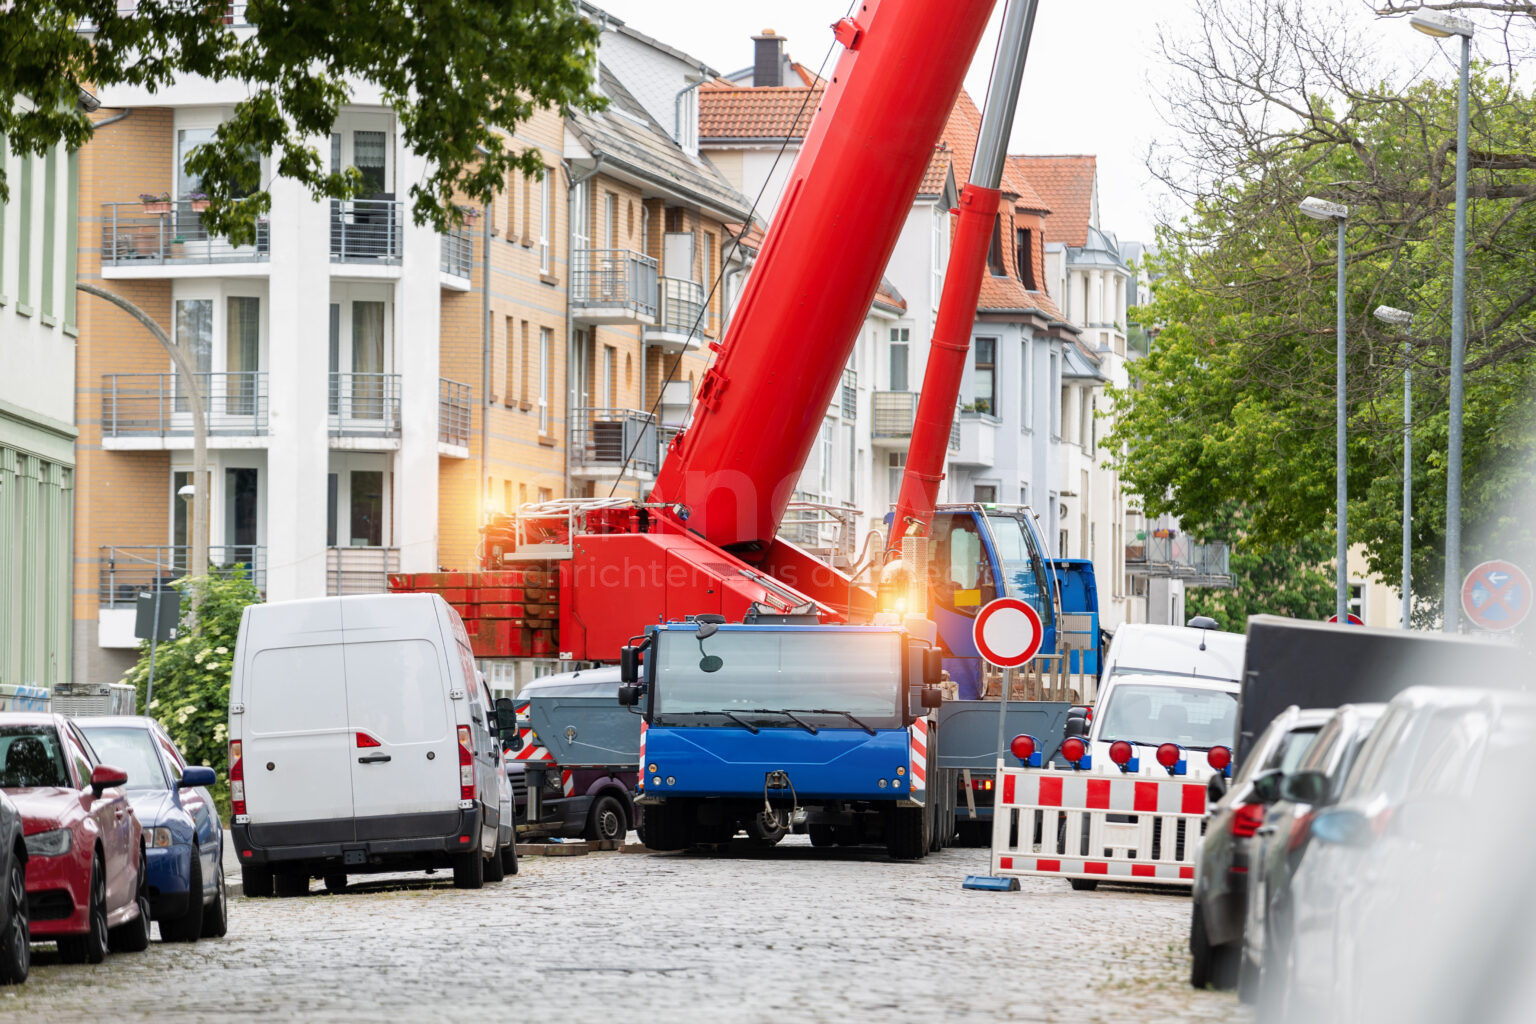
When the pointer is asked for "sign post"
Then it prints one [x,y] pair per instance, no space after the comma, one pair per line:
[1496,595]
[155,620]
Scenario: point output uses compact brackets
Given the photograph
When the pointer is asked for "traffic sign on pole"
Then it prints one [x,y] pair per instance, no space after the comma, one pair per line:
[1008,632]
[1496,595]
[1353,620]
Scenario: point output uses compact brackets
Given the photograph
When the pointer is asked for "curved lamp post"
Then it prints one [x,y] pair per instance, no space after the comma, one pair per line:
[1322,209]
[1404,319]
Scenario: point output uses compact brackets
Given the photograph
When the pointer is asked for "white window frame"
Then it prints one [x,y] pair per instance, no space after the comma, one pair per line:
[939,250]
[545,339]
[1027,388]
[546,203]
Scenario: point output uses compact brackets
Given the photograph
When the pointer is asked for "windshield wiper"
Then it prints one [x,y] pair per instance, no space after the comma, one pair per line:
[739,721]
[694,714]
[830,711]
[802,723]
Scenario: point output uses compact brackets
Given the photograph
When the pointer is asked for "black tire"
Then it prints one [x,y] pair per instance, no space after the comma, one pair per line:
[335,882]
[668,828]
[133,936]
[607,820]
[216,914]
[90,948]
[1201,956]
[823,835]
[1084,884]
[509,857]
[16,943]
[905,833]
[973,834]
[494,872]
[189,926]
[256,882]
[289,883]
[469,870]
[765,829]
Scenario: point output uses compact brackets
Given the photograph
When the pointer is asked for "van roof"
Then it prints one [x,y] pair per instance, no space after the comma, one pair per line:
[1143,647]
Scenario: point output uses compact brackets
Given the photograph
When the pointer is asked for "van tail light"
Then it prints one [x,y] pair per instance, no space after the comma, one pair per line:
[1246,820]
[236,779]
[466,764]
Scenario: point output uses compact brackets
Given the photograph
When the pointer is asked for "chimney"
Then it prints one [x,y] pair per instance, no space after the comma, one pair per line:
[768,58]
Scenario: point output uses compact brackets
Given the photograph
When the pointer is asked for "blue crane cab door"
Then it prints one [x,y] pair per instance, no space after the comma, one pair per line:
[1080,613]
[974,556]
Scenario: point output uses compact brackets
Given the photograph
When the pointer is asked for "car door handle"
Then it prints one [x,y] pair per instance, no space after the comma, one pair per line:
[373,759]
[1267,830]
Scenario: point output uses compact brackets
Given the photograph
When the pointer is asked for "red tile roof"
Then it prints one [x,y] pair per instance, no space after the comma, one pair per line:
[887,295]
[1065,183]
[749,238]
[957,144]
[728,111]
[1015,183]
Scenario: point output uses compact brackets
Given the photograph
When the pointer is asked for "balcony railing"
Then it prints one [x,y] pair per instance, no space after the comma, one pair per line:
[850,394]
[605,438]
[124,571]
[365,405]
[359,570]
[896,411]
[453,412]
[157,405]
[616,280]
[682,307]
[456,253]
[365,231]
[132,235]
[1180,556]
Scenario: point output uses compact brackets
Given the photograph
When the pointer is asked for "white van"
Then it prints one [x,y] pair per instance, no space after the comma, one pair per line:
[361,739]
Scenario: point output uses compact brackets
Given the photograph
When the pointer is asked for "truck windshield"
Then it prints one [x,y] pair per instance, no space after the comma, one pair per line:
[858,673]
[1151,714]
[1024,574]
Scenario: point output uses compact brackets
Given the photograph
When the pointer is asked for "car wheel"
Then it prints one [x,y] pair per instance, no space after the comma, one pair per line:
[189,925]
[823,835]
[766,829]
[288,883]
[335,882]
[133,936]
[16,944]
[256,883]
[1084,884]
[90,948]
[494,872]
[469,870]
[216,914]
[509,857]
[607,820]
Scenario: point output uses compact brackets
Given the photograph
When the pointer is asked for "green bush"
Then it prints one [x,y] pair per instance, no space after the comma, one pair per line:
[191,686]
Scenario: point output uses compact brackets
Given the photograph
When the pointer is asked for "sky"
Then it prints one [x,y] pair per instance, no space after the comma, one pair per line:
[1085,83]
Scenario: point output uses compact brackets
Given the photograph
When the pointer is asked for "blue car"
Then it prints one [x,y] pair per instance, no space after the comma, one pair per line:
[183,837]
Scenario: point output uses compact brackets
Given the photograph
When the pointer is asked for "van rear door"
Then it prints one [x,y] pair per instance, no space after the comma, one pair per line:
[405,753]
[294,734]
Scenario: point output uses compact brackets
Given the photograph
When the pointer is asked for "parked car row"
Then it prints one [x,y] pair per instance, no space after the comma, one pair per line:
[1358,849]
[105,828]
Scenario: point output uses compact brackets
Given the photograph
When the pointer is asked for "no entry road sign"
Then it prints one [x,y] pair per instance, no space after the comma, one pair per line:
[1008,632]
[1353,619]
[1496,595]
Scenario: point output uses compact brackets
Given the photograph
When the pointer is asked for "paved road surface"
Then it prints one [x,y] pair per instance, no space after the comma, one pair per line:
[794,934]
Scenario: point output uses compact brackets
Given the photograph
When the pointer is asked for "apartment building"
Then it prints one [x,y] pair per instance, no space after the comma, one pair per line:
[38,328]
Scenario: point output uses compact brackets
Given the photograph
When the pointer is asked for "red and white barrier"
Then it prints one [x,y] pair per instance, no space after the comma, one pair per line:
[918,759]
[1058,823]
[531,750]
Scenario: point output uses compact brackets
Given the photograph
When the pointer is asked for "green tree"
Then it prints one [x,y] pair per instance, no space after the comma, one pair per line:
[461,76]
[192,672]
[1273,579]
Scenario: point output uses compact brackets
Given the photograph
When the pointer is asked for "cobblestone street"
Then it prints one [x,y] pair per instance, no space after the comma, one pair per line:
[794,934]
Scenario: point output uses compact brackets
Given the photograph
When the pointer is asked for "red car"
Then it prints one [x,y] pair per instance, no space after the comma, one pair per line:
[85,850]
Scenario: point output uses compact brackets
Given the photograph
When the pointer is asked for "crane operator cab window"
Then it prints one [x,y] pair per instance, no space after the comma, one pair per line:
[958,565]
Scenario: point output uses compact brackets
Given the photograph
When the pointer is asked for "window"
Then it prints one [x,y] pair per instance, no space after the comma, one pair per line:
[852,490]
[895,468]
[546,201]
[995,250]
[24,248]
[1025,256]
[985,494]
[527,208]
[366,511]
[1356,604]
[50,204]
[545,338]
[1026,388]
[335,400]
[527,358]
[368,156]
[194,336]
[824,443]
[984,379]
[5,149]
[508,363]
[511,189]
[1055,386]
[899,339]
[368,360]
[581,217]
[242,354]
[610,382]
[188,139]
[242,504]
[610,221]
[506,495]
[710,273]
[940,251]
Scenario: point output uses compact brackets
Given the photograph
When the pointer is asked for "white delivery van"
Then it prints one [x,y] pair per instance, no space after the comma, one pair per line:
[361,740]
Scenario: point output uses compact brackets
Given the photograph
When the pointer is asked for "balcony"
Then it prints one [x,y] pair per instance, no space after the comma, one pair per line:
[454,418]
[456,257]
[613,286]
[152,410]
[603,439]
[1198,564]
[146,235]
[123,572]
[894,414]
[848,394]
[978,439]
[365,231]
[681,318]
[359,570]
[365,407]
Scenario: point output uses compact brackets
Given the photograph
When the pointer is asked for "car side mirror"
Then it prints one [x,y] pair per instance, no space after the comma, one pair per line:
[629,696]
[1266,786]
[1215,788]
[1077,725]
[1305,788]
[506,716]
[933,667]
[629,664]
[197,775]
[932,696]
[105,776]
[1342,827]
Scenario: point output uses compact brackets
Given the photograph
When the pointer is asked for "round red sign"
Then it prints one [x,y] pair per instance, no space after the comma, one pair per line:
[1008,632]
[1496,595]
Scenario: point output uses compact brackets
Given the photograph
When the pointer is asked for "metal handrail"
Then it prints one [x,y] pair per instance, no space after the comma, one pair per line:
[456,252]
[682,307]
[607,437]
[365,405]
[614,279]
[359,570]
[365,231]
[849,393]
[123,571]
[171,233]
[155,405]
[894,413]
[454,401]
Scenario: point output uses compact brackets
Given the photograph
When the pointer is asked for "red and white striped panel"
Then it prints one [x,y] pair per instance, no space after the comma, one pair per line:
[1083,791]
[919,749]
[1108,868]
[568,782]
[642,754]
[531,750]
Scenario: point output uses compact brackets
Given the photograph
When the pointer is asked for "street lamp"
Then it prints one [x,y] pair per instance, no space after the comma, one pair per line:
[1444,26]
[1404,319]
[1321,209]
